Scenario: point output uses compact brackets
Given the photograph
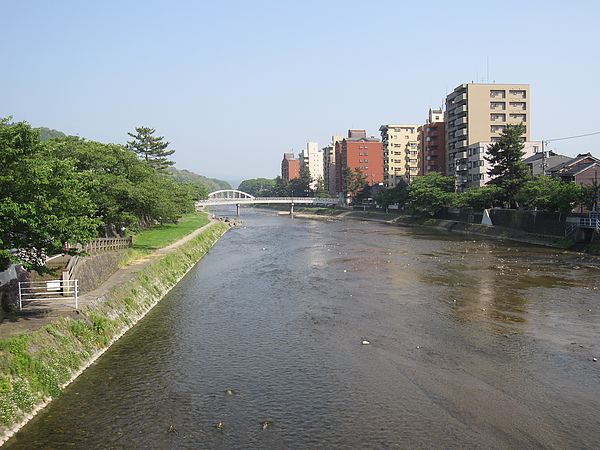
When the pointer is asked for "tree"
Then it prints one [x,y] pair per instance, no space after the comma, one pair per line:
[549,194]
[590,195]
[508,171]
[256,186]
[300,186]
[354,183]
[152,149]
[281,188]
[320,191]
[478,197]
[396,195]
[44,201]
[430,193]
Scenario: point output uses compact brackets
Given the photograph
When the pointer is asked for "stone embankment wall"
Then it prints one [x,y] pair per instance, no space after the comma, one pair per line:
[35,367]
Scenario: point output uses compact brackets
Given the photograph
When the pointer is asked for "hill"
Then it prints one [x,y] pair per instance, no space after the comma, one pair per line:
[185,176]
[47,134]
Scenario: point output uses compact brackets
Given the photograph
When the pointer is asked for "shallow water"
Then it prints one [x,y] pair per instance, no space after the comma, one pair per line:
[473,344]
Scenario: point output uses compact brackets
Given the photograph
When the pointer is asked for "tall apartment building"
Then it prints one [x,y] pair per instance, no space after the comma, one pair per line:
[432,143]
[290,167]
[400,153]
[329,165]
[312,157]
[357,150]
[477,114]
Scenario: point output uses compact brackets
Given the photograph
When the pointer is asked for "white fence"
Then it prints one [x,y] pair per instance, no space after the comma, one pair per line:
[48,291]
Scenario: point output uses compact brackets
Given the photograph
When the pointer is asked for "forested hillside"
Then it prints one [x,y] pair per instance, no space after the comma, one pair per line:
[185,176]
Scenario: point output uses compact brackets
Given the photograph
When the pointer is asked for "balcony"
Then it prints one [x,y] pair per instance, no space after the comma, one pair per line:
[461,155]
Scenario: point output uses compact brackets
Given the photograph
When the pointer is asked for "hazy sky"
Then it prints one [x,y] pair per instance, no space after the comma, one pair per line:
[233,85]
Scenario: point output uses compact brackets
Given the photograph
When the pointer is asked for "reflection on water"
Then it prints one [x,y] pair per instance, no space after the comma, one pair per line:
[474,344]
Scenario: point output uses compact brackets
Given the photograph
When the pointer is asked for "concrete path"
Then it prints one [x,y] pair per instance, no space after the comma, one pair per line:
[43,313]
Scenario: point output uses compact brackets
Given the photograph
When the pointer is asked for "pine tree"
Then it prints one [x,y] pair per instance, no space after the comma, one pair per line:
[151,148]
[508,170]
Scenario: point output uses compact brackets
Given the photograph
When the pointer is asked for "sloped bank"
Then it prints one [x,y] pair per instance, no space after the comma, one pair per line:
[36,367]
[448,225]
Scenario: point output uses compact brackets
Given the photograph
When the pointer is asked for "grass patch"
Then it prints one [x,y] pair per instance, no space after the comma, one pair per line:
[159,236]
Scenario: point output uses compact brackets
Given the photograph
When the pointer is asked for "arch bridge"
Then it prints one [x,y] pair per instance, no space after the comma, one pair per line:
[239,198]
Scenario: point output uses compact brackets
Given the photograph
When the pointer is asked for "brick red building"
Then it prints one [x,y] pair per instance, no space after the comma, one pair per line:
[432,144]
[358,150]
[290,167]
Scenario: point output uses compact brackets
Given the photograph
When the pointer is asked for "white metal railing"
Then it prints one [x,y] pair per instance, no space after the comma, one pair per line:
[590,223]
[50,290]
[296,200]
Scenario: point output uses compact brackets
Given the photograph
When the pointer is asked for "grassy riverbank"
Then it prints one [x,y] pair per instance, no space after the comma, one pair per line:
[36,366]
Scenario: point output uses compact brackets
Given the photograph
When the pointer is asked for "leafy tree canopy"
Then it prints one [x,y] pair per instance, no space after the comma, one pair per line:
[549,194]
[430,193]
[43,201]
[258,187]
[478,197]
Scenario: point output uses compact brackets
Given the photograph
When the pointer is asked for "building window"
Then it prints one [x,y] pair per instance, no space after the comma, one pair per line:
[497,93]
[517,93]
[518,105]
[498,105]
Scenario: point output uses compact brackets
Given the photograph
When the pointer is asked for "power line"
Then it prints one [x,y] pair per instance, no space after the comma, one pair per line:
[571,137]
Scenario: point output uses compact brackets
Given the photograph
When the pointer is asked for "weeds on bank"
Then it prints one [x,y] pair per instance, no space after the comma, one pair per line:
[35,367]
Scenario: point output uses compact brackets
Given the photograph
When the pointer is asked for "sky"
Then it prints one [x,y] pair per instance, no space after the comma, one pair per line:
[234,85]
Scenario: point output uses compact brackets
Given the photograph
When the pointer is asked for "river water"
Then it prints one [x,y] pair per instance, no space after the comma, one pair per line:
[473,343]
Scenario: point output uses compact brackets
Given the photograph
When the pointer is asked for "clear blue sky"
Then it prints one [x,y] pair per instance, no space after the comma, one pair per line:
[233,85]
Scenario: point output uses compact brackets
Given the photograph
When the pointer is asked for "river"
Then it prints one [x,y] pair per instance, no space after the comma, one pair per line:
[472,343]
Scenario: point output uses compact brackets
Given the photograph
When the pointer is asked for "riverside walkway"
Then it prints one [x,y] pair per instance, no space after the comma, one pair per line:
[37,317]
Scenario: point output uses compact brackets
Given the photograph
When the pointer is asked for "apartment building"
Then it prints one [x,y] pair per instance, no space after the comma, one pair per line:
[329,165]
[431,144]
[471,168]
[476,114]
[290,167]
[312,158]
[358,150]
[399,152]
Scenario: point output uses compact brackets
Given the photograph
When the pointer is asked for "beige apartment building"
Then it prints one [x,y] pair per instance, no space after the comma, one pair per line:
[476,115]
[400,153]
[312,157]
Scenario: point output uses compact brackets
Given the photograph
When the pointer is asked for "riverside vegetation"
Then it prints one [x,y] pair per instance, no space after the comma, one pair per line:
[35,367]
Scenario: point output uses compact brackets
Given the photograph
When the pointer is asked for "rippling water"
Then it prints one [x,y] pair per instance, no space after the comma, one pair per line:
[473,344]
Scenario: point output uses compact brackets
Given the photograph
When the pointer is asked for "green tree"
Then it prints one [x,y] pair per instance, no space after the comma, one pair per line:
[281,188]
[126,190]
[549,194]
[430,193]
[44,201]
[320,191]
[478,197]
[300,186]
[396,195]
[151,148]
[256,186]
[508,171]
[590,193]
[354,182]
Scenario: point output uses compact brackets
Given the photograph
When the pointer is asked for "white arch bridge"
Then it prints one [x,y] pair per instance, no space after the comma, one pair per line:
[239,198]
